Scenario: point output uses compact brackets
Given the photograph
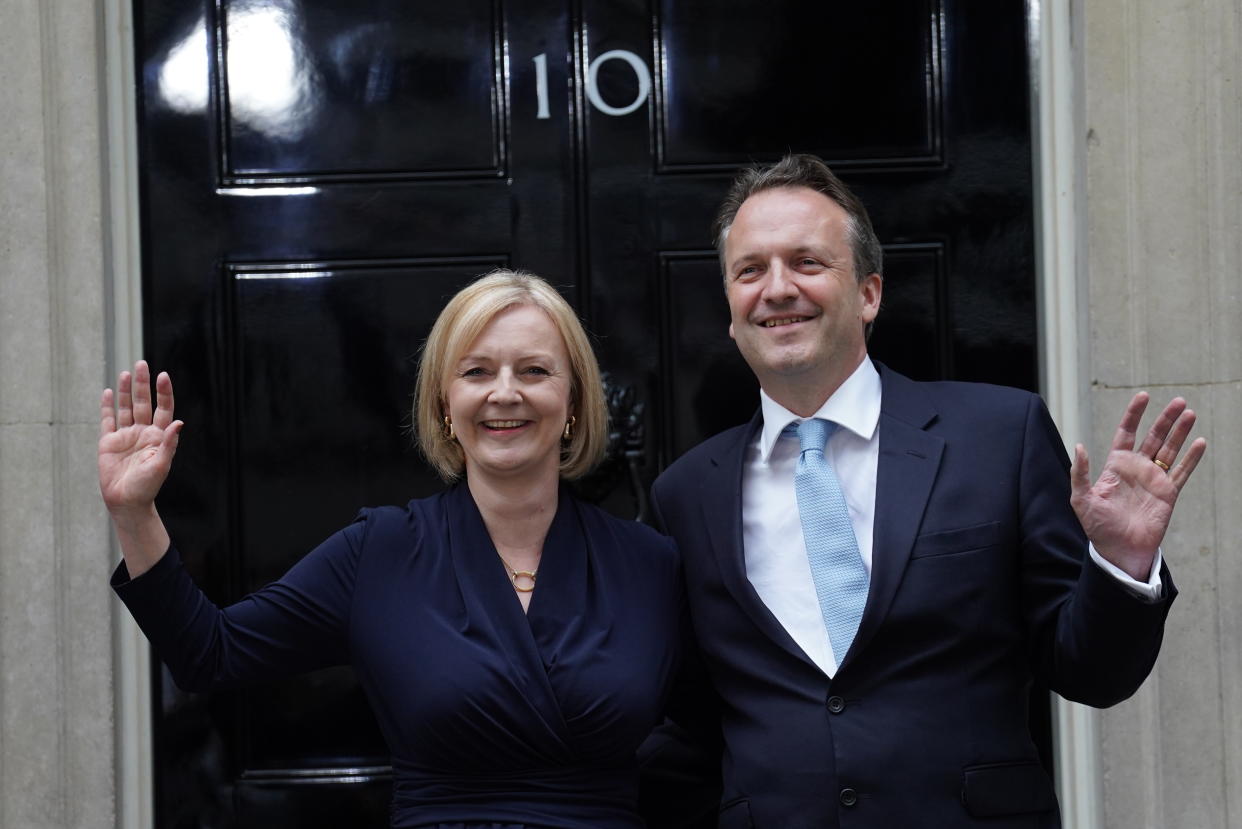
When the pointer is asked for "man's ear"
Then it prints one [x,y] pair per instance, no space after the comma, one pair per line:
[871,289]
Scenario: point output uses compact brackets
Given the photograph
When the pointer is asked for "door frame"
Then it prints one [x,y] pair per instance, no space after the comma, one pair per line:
[131,654]
[1059,168]
[1057,115]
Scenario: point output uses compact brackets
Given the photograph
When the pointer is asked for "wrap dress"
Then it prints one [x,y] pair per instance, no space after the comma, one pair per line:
[492,716]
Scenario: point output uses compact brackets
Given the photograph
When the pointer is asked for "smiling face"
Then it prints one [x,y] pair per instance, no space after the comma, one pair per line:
[797,310]
[509,396]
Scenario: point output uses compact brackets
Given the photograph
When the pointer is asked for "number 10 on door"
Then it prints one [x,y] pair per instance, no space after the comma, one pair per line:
[592,88]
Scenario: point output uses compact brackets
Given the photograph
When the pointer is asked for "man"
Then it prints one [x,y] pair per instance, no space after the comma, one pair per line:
[873,606]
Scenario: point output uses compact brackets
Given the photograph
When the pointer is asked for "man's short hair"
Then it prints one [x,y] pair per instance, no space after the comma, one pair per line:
[804,170]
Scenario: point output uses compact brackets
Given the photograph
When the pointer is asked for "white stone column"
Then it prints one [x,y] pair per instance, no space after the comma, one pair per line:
[1163,133]
[57,745]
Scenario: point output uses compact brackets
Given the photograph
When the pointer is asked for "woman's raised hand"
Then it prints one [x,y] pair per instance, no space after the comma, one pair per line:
[136,442]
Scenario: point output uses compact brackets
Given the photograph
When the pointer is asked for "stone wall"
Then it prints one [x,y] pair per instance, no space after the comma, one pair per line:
[1163,136]
[56,682]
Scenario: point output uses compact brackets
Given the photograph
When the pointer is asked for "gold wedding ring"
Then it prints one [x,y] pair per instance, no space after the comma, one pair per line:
[1160,464]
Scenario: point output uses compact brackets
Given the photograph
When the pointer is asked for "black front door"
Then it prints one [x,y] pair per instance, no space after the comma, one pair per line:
[318,177]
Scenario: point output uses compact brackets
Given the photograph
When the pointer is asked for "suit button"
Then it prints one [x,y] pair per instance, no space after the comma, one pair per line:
[836,705]
[848,797]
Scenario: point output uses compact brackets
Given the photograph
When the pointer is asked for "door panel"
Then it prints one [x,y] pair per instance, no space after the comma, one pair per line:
[318,178]
[317,92]
[858,83]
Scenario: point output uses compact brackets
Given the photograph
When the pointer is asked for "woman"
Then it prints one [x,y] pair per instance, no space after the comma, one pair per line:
[514,643]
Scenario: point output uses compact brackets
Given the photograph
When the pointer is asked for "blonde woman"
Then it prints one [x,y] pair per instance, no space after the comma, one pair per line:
[515,644]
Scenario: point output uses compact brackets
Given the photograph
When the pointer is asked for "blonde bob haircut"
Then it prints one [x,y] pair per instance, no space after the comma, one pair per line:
[460,324]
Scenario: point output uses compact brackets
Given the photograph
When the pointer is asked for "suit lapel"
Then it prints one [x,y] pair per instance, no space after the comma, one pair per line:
[908,463]
[722,515]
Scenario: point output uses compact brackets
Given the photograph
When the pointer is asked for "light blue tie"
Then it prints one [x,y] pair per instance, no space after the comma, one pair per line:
[836,565]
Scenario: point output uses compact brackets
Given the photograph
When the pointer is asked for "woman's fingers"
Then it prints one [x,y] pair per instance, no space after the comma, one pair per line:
[124,400]
[163,400]
[132,404]
[168,445]
[142,393]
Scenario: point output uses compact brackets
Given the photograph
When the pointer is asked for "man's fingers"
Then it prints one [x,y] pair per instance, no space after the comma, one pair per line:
[107,413]
[1159,431]
[1080,472]
[163,400]
[1181,473]
[1123,438]
[1167,454]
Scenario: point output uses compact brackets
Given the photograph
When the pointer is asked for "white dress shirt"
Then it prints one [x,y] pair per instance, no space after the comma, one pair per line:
[775,553]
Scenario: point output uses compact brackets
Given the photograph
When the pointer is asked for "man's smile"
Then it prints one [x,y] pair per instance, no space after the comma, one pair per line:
[780,321]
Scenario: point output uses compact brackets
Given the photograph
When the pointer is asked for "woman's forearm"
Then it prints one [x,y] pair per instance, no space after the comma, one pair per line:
[143,538]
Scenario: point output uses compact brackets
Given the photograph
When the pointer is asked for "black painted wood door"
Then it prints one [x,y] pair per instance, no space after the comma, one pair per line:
[319,176]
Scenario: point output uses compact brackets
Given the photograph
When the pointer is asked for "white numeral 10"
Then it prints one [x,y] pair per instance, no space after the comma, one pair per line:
[636,63]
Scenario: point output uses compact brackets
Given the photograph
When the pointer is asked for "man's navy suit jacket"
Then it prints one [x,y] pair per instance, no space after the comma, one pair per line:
[978,585]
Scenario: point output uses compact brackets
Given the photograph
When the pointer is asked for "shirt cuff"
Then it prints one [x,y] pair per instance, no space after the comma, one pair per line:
[1150,591]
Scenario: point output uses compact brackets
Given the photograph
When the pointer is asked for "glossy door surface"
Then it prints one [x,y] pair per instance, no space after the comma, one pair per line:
[318,177]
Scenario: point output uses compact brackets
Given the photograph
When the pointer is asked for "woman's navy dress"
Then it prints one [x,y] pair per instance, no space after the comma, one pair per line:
[491,715]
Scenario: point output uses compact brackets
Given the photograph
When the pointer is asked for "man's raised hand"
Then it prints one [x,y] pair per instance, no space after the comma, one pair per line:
[1126,512]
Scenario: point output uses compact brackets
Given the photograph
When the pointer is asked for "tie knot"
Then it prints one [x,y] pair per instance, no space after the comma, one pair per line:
[814,433]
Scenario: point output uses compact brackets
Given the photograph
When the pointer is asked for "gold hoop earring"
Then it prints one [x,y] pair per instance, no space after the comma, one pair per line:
[569,428]
[449,434]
